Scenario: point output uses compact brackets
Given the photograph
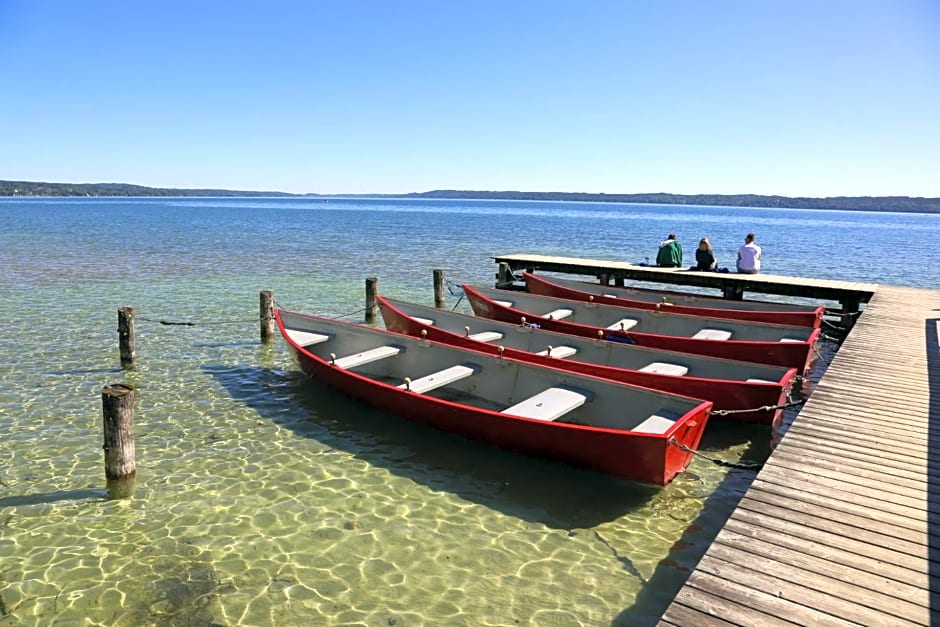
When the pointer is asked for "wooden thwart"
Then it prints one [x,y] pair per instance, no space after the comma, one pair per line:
[548,405]
[366,357]
[438,379]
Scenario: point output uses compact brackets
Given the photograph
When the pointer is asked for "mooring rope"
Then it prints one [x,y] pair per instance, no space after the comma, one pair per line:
[715,460]
[727,412]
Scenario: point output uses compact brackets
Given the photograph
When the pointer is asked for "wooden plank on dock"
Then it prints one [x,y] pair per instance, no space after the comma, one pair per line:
[842,522]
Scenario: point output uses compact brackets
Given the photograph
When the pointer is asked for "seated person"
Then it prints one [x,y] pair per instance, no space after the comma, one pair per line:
[749,256]
[704,256]
[670,253]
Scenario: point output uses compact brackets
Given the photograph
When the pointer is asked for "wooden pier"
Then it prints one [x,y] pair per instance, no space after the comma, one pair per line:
[842,524]
[848,294]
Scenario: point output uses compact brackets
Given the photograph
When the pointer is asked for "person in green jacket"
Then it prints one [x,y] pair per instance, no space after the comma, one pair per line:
[670,253]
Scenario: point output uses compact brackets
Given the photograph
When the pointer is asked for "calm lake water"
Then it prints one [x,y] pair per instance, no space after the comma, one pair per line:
[263,499]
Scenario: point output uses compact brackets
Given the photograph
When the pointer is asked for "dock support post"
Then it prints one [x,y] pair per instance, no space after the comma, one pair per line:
[504,276]
[266,300]
[618,281]
[372,288]
[734,292]
[438,288]
[603,279]
[850,312]
[120,468]
[126,339]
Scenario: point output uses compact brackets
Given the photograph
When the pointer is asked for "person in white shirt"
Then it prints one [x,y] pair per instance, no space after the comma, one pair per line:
[749,256]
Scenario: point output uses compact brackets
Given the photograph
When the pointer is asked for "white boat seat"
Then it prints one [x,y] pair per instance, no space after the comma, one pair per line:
[558,314]
[504,303]
[792,339]
[438,379]
[662,367]
[486,336]
[365,357]
[610,295]
[426,321]
[559,352]
[547,405]
[712,334]
[624,324]
[306,338]
[659,422]
[760,381]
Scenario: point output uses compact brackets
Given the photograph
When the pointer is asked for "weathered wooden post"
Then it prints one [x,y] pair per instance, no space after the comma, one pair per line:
[372,288]
[734,292]
[438,288]
[603,278]
[126,336]
[504,276]
[267,315]
[850,312]
[117,404]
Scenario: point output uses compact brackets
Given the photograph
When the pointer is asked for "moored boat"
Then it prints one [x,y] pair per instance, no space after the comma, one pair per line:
[748,391]
[792,347]
[625,430]
[677,302]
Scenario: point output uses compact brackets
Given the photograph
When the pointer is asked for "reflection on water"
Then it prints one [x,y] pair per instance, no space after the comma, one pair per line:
[262,498]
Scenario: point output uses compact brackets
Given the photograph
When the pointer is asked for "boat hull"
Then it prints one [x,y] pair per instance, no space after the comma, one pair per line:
[740,398]
[644,457]
[799,355]
[669,301]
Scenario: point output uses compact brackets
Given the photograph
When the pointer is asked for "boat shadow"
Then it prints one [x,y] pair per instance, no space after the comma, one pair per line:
[530,488]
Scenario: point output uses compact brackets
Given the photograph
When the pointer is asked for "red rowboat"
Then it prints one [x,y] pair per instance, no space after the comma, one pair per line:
[611,427]
[677,302]
[791,347]
[735,386]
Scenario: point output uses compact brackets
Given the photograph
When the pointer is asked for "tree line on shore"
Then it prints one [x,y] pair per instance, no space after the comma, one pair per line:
[848,203]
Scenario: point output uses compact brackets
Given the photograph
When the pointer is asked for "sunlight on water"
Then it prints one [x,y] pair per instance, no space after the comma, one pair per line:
[260,497]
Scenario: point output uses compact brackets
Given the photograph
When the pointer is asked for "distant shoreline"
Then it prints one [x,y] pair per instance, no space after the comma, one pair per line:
[907,204]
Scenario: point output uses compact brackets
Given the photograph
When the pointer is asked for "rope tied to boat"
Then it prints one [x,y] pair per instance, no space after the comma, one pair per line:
[716,460]
[728,412]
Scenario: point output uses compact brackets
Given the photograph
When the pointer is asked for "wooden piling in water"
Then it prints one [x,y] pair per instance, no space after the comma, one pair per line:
[126,339]
[120,467]
[504,276]
[267,315]
[372,288]
[438,288]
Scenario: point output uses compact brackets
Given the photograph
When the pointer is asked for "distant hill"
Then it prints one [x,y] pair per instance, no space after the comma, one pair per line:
[30,188]
[848,203]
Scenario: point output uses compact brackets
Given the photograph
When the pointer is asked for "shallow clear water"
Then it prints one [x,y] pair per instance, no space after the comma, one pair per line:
[262,498]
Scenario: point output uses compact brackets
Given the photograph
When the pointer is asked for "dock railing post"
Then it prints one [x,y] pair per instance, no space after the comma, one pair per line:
[438,288]
[120,468]
[372,288]
[126,339]
[266,300]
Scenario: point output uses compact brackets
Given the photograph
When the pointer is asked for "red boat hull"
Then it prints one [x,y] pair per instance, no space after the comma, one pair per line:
[799,355]
[652,459]
[725,394]
[538,285]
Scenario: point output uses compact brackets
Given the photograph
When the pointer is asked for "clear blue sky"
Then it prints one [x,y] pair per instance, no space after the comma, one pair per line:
[791,97]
